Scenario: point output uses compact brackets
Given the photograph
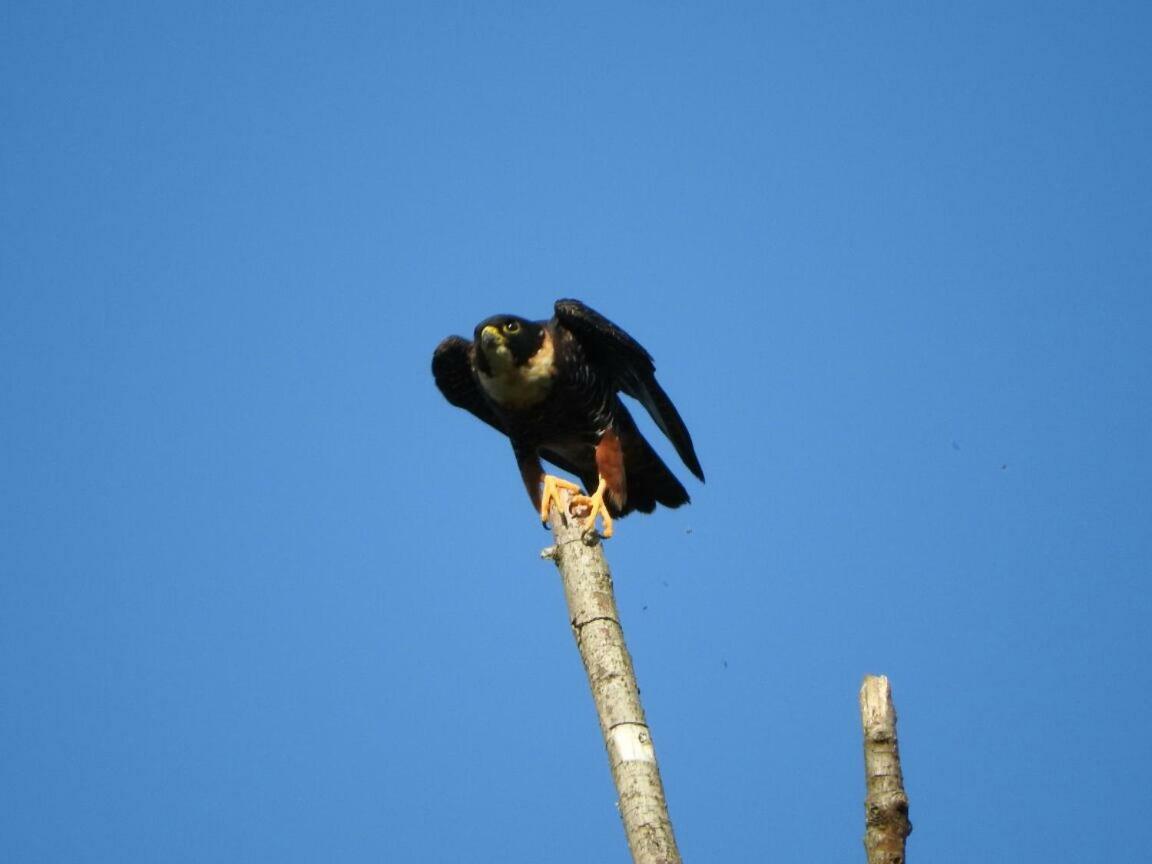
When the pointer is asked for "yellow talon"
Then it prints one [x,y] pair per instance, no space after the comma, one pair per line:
[596,507]
[551,485]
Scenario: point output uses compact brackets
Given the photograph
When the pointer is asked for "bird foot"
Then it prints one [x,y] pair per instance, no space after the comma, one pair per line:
[551,485]
[593,505]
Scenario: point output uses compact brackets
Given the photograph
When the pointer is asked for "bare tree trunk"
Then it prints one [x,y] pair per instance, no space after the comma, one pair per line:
[886,805]
[600,640]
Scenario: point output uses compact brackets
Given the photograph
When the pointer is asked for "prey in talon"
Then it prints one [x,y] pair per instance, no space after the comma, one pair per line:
[553,387]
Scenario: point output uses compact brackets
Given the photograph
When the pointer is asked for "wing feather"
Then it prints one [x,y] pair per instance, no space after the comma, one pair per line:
[632,370]
[452,369]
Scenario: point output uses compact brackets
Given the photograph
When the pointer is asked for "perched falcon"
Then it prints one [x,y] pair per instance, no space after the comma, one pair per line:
[551,387]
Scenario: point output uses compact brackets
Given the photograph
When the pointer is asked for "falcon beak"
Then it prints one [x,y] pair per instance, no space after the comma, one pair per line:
[491,337]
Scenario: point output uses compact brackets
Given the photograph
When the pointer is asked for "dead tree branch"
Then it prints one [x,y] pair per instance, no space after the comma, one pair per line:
[600,640]
[886,804]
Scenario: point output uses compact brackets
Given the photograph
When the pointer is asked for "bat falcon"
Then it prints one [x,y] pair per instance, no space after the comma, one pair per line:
[553,388]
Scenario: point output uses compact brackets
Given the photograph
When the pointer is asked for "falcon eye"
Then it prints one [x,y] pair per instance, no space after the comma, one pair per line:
[512,327]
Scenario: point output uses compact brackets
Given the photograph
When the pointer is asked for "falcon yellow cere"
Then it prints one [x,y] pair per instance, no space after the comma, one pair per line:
[552,387]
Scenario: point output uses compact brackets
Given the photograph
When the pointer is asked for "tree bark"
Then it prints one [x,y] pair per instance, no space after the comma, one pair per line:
[886,805]
[600,640]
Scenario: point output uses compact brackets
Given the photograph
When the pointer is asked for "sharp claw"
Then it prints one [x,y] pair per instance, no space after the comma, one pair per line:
[595,506]
[549,494]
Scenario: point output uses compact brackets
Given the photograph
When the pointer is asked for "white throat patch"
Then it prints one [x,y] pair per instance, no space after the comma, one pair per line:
[519,386]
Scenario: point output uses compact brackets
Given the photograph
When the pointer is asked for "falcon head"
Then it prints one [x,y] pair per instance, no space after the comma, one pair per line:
[506,341]
[514,360]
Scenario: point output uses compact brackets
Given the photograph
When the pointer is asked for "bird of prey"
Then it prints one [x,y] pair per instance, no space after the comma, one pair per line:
[552,387]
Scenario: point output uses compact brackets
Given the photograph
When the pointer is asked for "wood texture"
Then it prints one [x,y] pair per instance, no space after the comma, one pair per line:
[600,640]
[886,805]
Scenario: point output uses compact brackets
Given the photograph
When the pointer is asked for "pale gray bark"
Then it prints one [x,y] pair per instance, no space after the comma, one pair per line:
[886,804]
[600,640]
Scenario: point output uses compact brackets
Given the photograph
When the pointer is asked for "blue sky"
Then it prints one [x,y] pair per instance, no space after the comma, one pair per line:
[265,596]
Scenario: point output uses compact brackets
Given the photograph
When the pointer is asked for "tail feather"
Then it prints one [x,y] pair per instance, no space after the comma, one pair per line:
[650,481]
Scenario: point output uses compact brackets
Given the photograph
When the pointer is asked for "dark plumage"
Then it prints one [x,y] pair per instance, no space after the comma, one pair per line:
[551,387]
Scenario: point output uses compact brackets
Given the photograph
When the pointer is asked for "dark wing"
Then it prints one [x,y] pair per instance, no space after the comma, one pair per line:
[632,370]
[452,369]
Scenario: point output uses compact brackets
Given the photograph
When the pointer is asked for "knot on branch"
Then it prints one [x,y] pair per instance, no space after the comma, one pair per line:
[888,809]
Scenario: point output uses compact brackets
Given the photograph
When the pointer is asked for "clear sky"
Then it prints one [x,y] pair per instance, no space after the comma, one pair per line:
[265,596]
